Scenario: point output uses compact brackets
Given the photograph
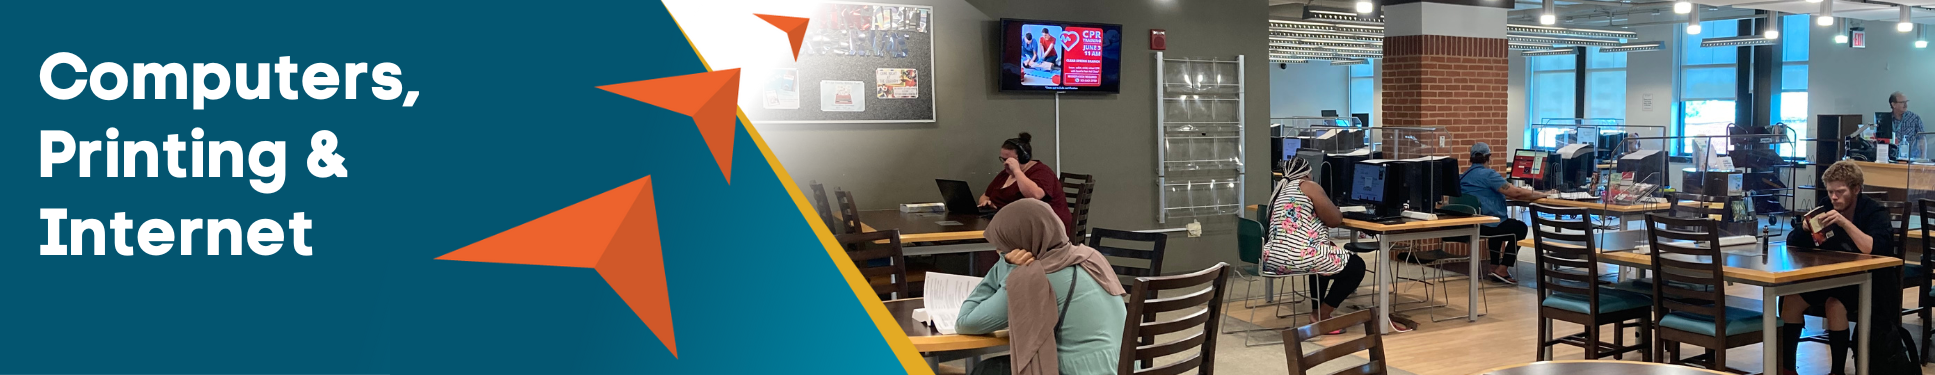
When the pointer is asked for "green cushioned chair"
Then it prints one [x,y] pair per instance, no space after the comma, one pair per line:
[1250,237]
[1681,285]
[1610,300]
[1569,290]
[1739,321]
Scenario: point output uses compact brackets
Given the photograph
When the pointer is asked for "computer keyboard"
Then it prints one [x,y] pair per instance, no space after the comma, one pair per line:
[1360,216]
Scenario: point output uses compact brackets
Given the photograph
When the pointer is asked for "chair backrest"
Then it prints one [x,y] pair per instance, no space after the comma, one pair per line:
[1078,190]
[1136,246]
[825,210]
[1689,205]
[1140,331]
[1927,209]
[888,279]
[1566,268]
[1249,241]
[1898,216]
[1681,279]
[849,212]
[1373,342]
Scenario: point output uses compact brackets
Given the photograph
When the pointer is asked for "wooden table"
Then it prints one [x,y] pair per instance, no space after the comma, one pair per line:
[1625,213]
[920,231]
[1410,230]
[937,347]
[1783,272]
[1597,367]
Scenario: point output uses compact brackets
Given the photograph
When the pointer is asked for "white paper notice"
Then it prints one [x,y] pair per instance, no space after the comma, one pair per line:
[945,293]
[843,96]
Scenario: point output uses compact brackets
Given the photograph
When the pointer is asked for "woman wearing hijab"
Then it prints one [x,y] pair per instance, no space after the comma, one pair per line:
[1060,301]
[1301,216]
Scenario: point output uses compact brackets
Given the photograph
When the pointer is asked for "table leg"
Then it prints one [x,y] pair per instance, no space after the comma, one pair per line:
[1471,306]
[972,266]
[1383,288]
[1769,316]
[1862,340]
[967,367]
[934,363]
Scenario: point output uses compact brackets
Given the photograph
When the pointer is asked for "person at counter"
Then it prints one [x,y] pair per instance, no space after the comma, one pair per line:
[1060,302]
[1854,223]
[1489,187]
[1907,126]
[1035,181]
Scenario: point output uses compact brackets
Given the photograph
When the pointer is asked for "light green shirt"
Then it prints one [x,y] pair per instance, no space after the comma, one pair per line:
[1091,337]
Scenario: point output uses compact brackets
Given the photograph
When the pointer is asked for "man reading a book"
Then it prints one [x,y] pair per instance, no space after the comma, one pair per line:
[1852,223]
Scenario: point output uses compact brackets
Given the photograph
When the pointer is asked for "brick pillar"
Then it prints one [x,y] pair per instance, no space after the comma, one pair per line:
[1444,67]
[1456,84]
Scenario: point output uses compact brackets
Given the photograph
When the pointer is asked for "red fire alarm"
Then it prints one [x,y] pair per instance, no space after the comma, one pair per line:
[1158,39]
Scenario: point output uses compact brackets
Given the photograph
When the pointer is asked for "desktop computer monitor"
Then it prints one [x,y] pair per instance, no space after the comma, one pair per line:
[1885,124]
[1363,119]
[1644,166]
[1447,178]
[1576,164]
[1315,158]
[1529,165]
[1327,113]
[1381,184]
[1367,183]
[1610,143]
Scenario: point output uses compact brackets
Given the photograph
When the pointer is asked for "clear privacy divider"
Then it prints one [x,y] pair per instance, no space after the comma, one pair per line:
[1921,185]
[1741,180]
[1332,135]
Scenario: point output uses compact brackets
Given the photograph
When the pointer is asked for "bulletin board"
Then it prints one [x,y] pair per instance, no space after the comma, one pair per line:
[859,63]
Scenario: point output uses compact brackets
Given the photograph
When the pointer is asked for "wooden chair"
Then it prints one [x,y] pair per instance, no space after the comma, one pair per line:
[1078,190]
[849,212]
[1925,278]
[1204,295]
[825,210]
[890,279]
[1373,342]
[1569,290]
[1713,325]
[1115,243]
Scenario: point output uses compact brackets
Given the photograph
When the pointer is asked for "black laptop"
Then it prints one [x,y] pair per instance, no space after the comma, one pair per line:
[959,198]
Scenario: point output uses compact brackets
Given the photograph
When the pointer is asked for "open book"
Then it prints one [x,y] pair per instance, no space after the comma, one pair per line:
[944,294]
[1814,223]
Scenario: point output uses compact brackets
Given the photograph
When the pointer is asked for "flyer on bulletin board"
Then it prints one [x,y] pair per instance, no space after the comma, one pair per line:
[843,96]
[896,84]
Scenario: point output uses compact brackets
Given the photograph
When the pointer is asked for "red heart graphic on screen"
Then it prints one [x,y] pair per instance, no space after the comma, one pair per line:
[1069,39]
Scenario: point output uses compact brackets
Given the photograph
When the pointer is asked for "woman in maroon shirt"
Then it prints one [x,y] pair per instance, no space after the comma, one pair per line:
[1040,182]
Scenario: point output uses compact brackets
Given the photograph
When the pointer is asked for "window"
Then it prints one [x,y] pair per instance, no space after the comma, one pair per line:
[1363,88]
[1707,97]
[1708,83]
[1553,92]
[1791,106]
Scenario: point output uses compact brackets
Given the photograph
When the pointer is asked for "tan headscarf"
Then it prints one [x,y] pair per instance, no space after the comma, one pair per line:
[1029,224]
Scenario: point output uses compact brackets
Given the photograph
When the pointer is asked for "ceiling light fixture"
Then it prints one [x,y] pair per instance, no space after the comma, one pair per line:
[1772,29]
[1551,14]
[1921,39]
[1906,24]
[1682,7]
[1348,62]
[1365,6]
[1826,16]
[1735,41]
[1693,22]
[1841,35]
[1550,52]
[1634,47]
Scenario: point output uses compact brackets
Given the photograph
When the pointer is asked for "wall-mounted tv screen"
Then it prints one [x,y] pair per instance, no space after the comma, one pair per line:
[1060,56]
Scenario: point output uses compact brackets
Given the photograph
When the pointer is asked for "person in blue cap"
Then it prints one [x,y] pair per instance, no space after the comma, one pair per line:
[1491,190]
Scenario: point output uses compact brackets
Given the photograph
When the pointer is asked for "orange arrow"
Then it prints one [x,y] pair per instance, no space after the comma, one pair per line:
[795,28]
[711,98]
[615,233]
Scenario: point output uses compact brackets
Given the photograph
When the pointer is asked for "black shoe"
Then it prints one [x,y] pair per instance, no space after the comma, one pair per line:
[1502,278]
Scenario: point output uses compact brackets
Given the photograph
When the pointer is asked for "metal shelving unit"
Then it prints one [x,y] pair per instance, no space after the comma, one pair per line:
[1199,135]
